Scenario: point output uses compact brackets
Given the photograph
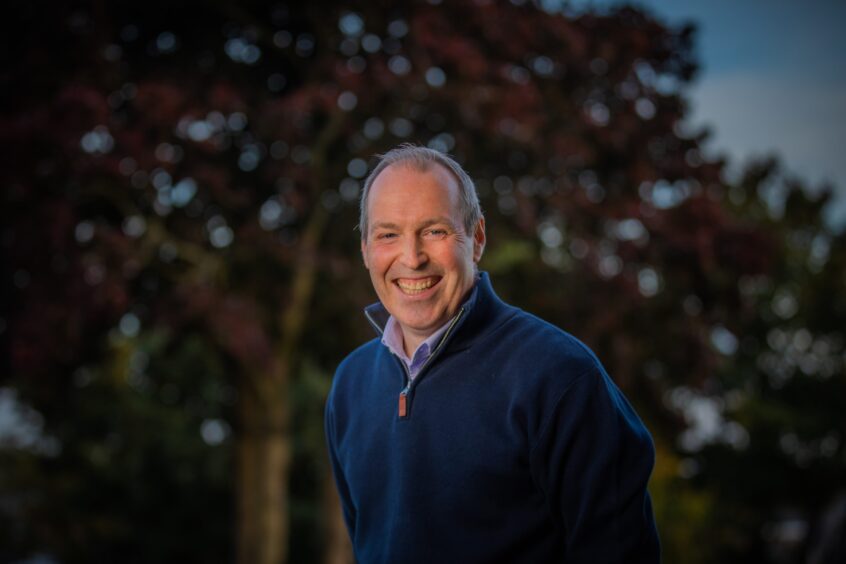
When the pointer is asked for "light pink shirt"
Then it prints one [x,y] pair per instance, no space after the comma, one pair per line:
[392,338]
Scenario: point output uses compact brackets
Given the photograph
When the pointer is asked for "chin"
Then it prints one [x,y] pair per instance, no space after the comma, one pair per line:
[420,324]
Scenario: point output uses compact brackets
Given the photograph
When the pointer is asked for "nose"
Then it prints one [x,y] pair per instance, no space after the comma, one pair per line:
[413,254]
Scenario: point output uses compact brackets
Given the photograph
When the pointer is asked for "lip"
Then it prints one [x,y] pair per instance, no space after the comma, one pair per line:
[422,294]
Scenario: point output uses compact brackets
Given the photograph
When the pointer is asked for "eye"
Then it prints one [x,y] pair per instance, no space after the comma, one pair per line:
[437,232]
[385,235]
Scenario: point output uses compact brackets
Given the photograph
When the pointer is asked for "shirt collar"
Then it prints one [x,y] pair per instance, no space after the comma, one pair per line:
[482,305]
[378,316]
[393,339]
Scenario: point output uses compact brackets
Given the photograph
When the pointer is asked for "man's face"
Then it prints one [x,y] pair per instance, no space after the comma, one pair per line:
[421,261]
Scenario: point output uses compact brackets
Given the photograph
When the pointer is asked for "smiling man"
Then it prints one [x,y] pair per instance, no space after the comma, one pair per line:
[468,430]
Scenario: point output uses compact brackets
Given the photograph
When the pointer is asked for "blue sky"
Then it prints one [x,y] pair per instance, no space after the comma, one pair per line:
[772,80]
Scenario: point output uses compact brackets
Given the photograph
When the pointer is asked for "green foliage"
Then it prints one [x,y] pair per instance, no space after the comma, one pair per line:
[785,383]
[131,458]
[685,515]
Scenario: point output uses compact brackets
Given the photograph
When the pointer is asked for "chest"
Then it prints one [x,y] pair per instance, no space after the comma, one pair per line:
[461,444]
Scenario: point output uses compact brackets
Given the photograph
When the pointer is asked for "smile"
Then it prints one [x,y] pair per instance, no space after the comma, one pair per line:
[411,287]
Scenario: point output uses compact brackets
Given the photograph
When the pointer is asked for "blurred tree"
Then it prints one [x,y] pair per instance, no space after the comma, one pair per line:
[185,186]
[781,383]
[126,475]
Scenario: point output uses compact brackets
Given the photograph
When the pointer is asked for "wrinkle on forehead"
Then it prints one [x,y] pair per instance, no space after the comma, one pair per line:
[395,189]
[422,166]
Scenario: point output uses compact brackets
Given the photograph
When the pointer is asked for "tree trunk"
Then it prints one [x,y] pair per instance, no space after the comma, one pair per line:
[263,459]
[264,449]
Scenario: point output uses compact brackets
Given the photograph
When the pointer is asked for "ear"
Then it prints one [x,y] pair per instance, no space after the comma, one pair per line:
[479,240]
[364,253]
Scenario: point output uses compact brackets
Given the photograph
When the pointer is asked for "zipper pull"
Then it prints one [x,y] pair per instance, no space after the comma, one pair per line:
[403,404]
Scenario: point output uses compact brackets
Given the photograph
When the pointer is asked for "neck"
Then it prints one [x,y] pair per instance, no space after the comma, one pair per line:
[410,341]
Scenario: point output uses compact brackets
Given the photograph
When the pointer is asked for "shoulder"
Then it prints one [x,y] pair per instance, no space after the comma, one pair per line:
[543,370]
[540,347]
[355,368]
[360,358]
[358,363]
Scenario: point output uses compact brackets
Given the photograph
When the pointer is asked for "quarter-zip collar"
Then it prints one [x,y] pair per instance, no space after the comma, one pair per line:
[378,315]
[482,308]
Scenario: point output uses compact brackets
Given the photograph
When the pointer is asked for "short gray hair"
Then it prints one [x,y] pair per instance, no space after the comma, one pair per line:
[422,158]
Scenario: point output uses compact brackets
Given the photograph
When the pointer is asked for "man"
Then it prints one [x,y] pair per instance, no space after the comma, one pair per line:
[471,431]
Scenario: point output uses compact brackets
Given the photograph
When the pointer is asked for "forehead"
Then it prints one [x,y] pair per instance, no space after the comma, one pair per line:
[411,187]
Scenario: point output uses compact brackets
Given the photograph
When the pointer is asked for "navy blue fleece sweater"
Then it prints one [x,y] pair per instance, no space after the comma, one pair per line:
[515,446]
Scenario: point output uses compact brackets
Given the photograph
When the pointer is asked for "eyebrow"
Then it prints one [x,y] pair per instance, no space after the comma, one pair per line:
[383,225]
[425,223]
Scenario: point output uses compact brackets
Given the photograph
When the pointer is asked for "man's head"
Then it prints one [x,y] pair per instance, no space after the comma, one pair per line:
[422,235]
[422,158]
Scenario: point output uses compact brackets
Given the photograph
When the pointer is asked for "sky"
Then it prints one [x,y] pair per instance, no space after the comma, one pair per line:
[772,80]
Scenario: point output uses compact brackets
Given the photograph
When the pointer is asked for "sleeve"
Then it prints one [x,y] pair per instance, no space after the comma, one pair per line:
[592,460]
[340,481]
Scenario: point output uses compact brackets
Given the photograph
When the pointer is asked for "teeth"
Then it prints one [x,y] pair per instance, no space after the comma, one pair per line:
[417,286]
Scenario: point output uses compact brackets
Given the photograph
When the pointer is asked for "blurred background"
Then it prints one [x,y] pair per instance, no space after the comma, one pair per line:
[181,274]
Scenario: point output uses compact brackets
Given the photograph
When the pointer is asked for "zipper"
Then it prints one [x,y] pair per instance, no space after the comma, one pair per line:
[405,394]
[404,402]
[402,410]
[441,343]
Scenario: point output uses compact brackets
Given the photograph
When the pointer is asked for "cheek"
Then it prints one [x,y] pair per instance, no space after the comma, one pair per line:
[455,259]
[377,259]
